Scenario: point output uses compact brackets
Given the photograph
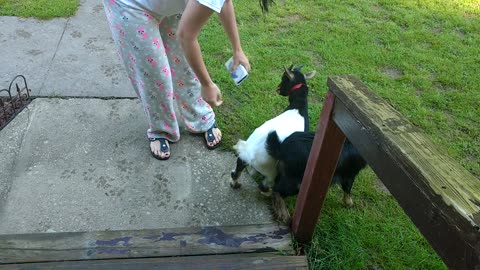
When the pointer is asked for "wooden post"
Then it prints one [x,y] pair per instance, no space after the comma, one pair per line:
[326,149]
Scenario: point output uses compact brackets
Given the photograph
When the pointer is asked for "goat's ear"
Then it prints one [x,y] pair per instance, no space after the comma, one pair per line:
[310,75]
[291,66]
[289,73]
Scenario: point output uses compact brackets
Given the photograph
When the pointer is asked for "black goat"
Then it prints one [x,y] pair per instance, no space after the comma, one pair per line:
[292,155]
[295,118]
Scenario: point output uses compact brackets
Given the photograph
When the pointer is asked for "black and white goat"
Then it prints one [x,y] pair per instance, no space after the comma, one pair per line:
[292,155]
[252,152]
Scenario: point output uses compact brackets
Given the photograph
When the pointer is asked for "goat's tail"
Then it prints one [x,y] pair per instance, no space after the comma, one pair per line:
[273,145]
[241,149]
[240,146]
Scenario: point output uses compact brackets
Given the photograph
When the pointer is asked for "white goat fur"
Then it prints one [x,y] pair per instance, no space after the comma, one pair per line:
[253,150]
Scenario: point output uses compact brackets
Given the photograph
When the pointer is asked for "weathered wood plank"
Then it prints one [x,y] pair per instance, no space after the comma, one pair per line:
[43,247]
[440,196]
[326,149]
[244,261]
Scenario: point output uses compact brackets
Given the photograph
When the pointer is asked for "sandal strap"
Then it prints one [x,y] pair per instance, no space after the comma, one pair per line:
[163,144]
[210,135]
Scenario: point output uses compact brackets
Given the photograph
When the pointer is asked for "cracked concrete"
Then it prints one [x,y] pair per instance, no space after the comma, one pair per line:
[83,164]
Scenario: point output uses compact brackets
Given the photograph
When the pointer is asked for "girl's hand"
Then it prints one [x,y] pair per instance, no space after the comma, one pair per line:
[240,58]
[212,95]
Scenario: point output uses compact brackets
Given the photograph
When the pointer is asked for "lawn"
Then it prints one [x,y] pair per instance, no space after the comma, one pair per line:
[421,56]
[41,9]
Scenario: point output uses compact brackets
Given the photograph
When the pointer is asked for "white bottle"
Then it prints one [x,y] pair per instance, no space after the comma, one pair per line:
[239,74]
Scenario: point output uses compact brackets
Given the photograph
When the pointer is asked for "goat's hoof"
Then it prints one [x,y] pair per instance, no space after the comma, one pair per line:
[234,175]
[347,200]
[235,184]
[267,193]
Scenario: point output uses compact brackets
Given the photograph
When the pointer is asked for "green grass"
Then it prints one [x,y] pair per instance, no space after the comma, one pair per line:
[421,56]
[374,234]
[41,9]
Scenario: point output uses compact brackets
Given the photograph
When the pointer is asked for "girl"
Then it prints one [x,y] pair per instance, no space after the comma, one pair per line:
[161,54]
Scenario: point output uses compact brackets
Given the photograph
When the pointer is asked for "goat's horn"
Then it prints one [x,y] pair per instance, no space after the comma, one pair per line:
[291,66]
[299,67]
[288,72]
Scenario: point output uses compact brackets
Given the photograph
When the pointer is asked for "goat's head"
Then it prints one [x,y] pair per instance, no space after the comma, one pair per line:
[292,79]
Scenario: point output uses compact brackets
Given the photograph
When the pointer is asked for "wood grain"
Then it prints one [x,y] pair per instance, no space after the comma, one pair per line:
[438,194]
[322,161]
[244,261]
[43,247]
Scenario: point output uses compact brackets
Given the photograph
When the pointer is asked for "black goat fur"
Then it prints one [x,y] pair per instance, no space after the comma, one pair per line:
[293,85]
[292,155]
[299,98]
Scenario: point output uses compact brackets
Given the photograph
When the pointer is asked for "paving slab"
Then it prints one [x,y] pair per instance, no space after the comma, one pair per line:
[83,165]
[86,62]
[27,47]
[64,57]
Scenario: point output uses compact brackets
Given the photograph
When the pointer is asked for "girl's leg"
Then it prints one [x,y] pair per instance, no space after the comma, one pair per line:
[140,46]
[196,114]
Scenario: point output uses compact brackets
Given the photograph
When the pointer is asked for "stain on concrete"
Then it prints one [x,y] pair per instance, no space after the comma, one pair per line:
[179,204]
[113,72]
[114,112]
[104,182]
[22,33]
[67,174]
[76,34]
[125,166]
[91,45]
[160,189]
[2,38]
[82,117]
[72,58]
[97,8]
[34,52]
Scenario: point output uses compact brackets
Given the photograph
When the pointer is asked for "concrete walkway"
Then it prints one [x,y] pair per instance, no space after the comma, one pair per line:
[64,57]
[82,164]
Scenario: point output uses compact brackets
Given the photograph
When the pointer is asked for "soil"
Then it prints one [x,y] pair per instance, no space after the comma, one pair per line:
[9,108]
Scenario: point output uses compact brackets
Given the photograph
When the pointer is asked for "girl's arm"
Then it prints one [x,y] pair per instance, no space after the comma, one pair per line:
[229,23]
[193,19]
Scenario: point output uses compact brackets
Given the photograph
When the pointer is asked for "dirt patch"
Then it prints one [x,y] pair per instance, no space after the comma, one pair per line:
[13,100]
[441,87]
[9,108]
[392,72]
[376,8]
[294,18]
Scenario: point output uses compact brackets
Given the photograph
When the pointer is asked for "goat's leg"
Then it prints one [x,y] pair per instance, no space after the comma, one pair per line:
[235,174]
[265,189]
[347,183]
[267,183]
[287,185]
[252,172]
[270,173]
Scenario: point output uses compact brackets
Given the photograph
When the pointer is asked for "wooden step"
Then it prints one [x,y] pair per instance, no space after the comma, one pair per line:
[245,261]
[49,247]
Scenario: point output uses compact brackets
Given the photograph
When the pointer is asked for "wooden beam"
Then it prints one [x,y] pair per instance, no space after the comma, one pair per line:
[265,261]
[326,149]
[43,247]
[440,197]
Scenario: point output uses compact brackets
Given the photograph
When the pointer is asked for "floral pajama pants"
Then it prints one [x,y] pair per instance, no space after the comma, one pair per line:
[156,66]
